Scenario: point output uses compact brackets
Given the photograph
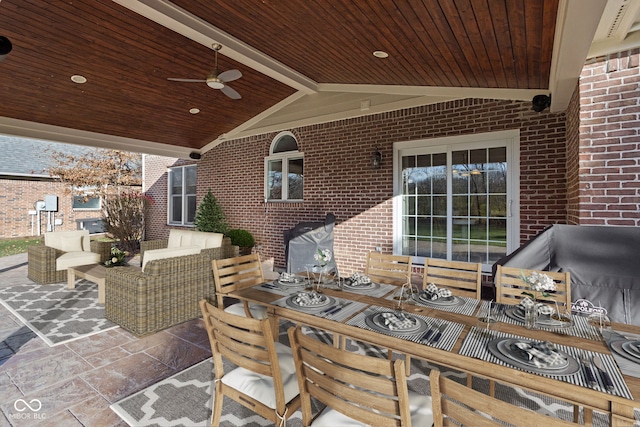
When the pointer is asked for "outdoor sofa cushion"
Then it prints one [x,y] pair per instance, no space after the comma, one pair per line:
[169,253]
[180,238]
[74,259]
[68,241]
[76,246]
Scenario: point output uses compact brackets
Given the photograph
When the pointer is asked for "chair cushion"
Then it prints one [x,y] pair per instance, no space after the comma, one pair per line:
[175,238]
[205,240]
[67,241]
[419,405]
[260,387]
[257,311]
[168,253]
[74,259]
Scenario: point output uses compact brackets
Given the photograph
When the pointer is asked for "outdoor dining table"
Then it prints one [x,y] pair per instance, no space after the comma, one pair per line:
[462,344]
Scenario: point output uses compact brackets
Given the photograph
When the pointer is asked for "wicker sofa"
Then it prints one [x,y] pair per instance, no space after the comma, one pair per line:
[166,293]
[48,261]
[181,241]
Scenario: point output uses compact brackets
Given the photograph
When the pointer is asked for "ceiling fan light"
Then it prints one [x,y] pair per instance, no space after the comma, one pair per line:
[215,84]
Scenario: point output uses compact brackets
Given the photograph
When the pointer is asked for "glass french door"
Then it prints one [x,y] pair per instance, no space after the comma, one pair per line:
[455,203]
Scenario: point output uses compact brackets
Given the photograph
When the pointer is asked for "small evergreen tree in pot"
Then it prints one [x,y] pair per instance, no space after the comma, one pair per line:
[209,216]
[243,239]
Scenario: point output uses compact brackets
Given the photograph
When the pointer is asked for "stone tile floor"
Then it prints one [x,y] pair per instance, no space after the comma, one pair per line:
[76,382]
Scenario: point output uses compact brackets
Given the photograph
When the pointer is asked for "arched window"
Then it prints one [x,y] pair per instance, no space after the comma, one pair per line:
[284,169]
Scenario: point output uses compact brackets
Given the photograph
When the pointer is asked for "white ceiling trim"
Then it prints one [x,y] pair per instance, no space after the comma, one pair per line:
[617,21]
[449,92]
[314,119]
[182,22]
[606,47]
[576,25]
[232,134]
[26,129]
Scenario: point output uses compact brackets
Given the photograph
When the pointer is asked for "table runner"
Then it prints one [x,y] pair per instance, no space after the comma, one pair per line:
[446,342]
[581,328]
[476,345]
[467,308]
[341,315]
[279,290]
[382,290]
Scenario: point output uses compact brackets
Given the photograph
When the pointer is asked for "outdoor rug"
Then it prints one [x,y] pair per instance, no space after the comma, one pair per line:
[57,314]
[185,399]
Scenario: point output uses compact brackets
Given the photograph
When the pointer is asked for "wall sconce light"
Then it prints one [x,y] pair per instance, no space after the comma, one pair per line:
[5,47]
[540,102]
[376,160]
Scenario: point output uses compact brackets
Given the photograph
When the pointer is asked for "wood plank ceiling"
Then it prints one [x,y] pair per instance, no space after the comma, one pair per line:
[329,44]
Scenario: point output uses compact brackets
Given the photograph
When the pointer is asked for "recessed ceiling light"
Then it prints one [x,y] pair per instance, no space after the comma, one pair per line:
[78,79]
[380,54]
[194,111]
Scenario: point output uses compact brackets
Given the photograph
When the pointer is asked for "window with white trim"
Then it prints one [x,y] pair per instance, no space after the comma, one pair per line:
[85,199]
[456,198]
[181,209]
[284,169]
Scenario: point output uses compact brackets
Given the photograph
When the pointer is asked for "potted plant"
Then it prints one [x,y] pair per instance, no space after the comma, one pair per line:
[243,239]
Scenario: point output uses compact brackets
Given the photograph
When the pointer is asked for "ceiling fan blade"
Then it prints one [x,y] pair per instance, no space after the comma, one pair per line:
[230,92]
[230,75]
[186,80]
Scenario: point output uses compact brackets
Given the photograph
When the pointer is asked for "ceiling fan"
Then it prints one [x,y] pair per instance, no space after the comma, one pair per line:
[216,79]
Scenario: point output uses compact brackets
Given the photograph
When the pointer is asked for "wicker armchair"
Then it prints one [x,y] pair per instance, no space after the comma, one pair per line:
[42,261]
[165,294]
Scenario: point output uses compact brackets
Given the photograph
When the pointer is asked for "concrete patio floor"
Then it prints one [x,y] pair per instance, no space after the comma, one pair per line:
[76,382]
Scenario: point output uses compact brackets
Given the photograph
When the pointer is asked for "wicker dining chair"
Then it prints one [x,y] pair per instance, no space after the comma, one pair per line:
[264,379]
[355,388]
[455,404]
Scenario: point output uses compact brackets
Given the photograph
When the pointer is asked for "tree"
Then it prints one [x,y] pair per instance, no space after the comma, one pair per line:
[124,218]
[105,172]
[209,216]
[115,177]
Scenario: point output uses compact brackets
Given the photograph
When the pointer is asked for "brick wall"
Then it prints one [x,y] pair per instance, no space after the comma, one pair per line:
[19,197]
[573,159]
[609,149]
[338,177]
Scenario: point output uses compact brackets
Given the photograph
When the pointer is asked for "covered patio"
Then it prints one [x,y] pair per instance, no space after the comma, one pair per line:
[369,92]
[96,380]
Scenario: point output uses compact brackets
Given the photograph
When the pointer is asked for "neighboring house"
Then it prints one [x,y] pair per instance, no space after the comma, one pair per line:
[25,186]
[470,179]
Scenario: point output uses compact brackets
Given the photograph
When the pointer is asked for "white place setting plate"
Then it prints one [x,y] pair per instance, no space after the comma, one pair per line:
[377,322]
[517,313]
[297,281]
[322,301]
[446,301]
[360,287]
[501,348]
[627,349]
